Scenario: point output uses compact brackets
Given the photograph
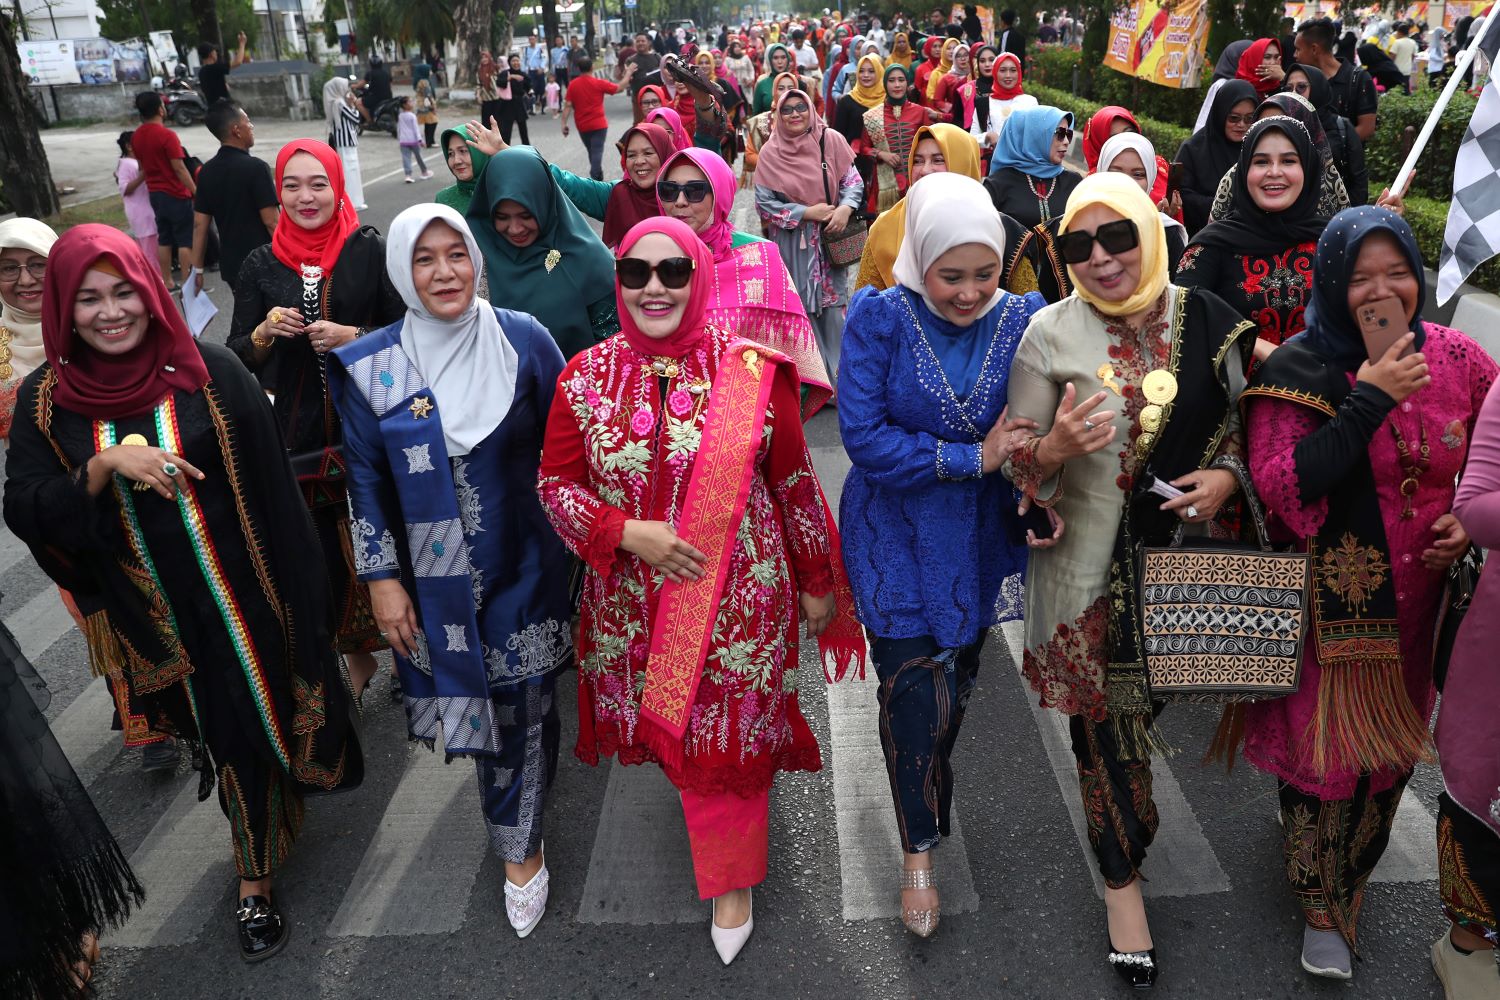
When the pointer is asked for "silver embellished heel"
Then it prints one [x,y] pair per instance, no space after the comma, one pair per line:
[922,923]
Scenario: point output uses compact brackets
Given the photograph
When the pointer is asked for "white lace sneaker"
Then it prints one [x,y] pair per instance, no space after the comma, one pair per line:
[525,904]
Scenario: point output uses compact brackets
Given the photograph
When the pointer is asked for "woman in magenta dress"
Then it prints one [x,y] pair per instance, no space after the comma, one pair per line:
[1359,460]
[674,466]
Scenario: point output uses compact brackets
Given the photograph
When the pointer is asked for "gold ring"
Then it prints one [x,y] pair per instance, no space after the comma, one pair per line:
[275,317]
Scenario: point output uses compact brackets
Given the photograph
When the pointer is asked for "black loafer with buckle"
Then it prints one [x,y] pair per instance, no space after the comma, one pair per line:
[263,931]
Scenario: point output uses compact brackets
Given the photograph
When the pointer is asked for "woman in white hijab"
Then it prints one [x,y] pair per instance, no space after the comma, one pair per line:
[24,246]
[443,417]
[341,109]
[1132,154]
[932,541]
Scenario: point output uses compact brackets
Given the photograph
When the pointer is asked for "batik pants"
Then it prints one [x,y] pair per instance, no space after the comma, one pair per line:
[264,808]
[729,835]
[923,692]
[1331,847]
[1117,805]
[1468,870]
[513,786]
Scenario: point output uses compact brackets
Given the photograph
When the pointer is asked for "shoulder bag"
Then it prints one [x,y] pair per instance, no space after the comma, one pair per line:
[845,248]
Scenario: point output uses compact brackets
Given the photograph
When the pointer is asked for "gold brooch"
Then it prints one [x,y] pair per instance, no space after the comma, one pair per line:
[1160,386]
[552,259]
[1150,418]
[1106,376]
[752,361]
[421,407]
[666,367]
[137,441]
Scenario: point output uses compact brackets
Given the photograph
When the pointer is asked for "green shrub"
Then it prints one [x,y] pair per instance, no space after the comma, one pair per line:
[1165,136]
[1386,151]
[1052,66]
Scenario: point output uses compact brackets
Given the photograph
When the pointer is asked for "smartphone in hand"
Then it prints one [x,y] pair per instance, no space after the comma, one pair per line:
[1382,323]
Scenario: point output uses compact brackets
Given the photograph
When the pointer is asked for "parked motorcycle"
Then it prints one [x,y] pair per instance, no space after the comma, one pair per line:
[185,106]
[385,114]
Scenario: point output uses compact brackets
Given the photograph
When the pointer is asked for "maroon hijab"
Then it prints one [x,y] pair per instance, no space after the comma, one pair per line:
[104,387]
[627,203]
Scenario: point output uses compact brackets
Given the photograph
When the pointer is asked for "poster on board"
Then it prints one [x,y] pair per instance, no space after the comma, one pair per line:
[48,63]
[1163,43]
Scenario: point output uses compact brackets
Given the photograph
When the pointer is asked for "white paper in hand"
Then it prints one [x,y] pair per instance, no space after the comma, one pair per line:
[197,308]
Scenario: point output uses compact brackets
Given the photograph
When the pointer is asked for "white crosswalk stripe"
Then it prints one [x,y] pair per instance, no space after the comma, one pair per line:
[185,866]
[40,622]
[83,731]
[1180,862]
[640,871]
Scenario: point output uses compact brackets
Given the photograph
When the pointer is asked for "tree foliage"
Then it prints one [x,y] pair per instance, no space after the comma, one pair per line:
[134,18]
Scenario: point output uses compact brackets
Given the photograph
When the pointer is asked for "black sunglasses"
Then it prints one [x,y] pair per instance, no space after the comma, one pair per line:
[794,109]
[674,272]
[693,191]
[1063,134]
[1115,237]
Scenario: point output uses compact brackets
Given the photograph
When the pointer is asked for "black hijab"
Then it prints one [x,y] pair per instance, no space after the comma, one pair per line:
[1229,60]
[1320,93]
[1332,331]
[1380,66]
[1296,106]
[1208,153]
[1249,229]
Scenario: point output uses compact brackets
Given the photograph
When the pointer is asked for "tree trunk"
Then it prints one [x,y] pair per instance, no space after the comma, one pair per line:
[588,32]
[553,29]
[25,177]
[206,20]
[471,20]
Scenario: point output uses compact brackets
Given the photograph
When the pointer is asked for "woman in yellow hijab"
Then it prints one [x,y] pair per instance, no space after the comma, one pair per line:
[901,51]
[866,92]
[1149,376]
[936,149]
[944,66]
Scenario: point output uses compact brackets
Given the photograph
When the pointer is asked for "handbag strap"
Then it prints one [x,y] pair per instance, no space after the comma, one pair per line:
[1257,511]
[823,158]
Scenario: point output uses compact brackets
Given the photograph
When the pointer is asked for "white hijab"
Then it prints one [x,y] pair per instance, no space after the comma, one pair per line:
[932,205]
[468,363]
[1117,144]
[26,351]
[333,99]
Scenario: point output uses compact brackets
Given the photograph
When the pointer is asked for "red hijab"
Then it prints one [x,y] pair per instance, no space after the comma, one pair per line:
[931,49]
[1250,60]
[690,330]
[661,95]
[295,246]
[1096,134]
[998,92]
[111,387]
[629,204]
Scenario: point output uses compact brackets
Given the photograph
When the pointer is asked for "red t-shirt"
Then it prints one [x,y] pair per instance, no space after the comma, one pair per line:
[156,146]
[586,94]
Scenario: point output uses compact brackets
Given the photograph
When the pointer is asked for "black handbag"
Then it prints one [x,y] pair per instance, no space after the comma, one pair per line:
[1224,622]
[1463,579]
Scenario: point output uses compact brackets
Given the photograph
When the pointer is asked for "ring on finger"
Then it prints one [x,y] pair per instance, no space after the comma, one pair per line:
[275,317]
[1088,425]
[169,469]
[1192,512]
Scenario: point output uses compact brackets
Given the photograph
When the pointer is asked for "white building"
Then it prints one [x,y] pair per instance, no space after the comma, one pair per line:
[59,18]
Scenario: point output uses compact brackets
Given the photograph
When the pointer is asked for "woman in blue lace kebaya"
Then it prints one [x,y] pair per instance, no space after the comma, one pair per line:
[443,418]
[926,517]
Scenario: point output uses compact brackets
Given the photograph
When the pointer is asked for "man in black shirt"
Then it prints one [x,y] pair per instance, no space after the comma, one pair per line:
[1009,39]
[235,191]
[213,75]
[377,86]
[644,59]
[1353,91]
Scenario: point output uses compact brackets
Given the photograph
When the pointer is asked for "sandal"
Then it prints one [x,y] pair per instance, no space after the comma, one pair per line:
[922,923]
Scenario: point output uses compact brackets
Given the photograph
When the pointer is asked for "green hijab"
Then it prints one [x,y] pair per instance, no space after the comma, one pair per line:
[582,272]
[457,195]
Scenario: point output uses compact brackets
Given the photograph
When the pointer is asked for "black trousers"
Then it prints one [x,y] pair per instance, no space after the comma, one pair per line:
[1117,805]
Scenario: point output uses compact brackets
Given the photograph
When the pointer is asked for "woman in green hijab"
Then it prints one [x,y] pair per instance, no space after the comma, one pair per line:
[540,255]
[466,162]
[778,60]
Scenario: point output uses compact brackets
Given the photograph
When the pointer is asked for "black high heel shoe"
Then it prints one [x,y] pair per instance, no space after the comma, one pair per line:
[1137,968]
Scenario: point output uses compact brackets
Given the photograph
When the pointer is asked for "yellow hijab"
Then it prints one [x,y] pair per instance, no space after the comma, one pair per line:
[874,95]
[883,242]
[944,66]
[1124,197]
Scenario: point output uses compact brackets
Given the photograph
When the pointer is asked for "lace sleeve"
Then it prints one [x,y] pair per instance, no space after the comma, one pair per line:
[1276,428]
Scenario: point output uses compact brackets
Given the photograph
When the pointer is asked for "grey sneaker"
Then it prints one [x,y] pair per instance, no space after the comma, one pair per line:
[159,756]
[1324,953]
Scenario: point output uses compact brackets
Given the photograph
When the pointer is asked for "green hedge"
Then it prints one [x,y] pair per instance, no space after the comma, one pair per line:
[1166,137]
[1386,151]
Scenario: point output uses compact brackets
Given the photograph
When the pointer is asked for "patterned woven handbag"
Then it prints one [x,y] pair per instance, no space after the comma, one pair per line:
[1224,622]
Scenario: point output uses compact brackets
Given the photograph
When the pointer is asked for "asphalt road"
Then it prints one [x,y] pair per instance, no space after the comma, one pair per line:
[392,893]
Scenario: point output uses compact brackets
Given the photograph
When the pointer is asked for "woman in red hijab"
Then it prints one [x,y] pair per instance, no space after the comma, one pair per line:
[1112,120]
[319,283]
[1260,66]
[145,475]
[707,688]
[932,55]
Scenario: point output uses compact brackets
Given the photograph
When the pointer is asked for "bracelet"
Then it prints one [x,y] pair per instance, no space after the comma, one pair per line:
[261,340]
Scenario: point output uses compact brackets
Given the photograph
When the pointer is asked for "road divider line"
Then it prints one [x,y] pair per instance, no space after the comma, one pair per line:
[641,869]
[419,870]
[185,866]
[39,623]
[1411,855]
[83,731]
[1180,861]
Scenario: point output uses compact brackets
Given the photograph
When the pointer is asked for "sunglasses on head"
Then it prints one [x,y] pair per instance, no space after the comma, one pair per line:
[794,109]
[1115,237]
[674,272]
[693,191]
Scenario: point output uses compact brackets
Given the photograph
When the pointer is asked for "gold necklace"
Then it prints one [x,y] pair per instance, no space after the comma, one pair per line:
[6,370]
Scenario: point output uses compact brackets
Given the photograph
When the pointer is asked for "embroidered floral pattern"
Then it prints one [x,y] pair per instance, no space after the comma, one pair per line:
[418,459]
[365,561]
[1068,671]
[458,641]
[470,510]
[1353,571]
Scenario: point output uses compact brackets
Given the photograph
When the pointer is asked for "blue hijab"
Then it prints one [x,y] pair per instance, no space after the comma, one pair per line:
[1332,331]
[1025,142]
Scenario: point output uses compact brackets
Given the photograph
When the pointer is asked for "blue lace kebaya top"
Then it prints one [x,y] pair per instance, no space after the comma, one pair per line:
[926,534]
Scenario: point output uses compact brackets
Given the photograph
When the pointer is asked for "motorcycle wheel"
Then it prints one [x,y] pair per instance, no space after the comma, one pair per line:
[186,115]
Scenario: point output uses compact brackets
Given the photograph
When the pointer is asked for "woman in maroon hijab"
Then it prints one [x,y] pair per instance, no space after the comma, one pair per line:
[147,475]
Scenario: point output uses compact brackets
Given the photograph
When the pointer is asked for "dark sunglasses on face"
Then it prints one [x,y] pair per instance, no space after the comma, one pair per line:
[1240,119]
[794,109]
[674,272]
[1115,237]
[693,191]
[1063,135]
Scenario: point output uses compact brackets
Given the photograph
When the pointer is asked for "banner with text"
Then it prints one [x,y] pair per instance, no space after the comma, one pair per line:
[1162,43]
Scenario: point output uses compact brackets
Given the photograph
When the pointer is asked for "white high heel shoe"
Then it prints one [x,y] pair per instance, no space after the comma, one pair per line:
[525,904]
[729,940]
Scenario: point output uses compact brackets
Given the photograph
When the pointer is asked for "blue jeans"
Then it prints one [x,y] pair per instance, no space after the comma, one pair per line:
[593,141]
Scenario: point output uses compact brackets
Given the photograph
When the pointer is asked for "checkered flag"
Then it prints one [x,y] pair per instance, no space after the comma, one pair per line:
[1473,233]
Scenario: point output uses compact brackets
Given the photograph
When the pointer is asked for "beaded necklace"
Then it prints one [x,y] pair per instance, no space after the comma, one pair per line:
[1041,196]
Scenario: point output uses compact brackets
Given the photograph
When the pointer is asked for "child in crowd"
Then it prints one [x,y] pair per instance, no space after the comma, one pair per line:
[138,211]
[409,135]
[554,97]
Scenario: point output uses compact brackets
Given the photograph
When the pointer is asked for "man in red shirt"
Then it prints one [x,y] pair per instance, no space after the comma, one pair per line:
[161,157]
[585,101]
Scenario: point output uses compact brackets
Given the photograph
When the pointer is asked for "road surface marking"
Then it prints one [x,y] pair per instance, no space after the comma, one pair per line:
[40,622]
[185,865]
[640,870]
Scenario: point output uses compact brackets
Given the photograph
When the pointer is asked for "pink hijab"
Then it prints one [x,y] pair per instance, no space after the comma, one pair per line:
[752,295]
[790,165]
[680,139]
[690,330]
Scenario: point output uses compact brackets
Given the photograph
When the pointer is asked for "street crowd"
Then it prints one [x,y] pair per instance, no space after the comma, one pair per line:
[502,444]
